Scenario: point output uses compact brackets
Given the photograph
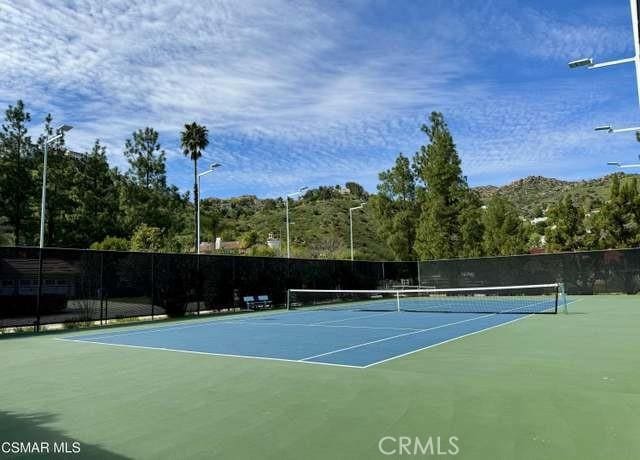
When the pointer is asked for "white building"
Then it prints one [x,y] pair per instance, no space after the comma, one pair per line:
[273,242]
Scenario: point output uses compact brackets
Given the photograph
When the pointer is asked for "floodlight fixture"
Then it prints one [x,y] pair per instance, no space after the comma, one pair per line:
[623,165]
[581,63]
[611,129]
[635,59]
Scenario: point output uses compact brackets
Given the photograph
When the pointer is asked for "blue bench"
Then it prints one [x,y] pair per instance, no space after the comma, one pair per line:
[257,302]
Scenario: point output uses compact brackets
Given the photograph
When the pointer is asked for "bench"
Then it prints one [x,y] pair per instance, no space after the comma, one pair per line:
[258,302]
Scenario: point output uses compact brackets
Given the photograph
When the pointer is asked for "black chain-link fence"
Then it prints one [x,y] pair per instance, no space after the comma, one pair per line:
[81,286]
[589,272]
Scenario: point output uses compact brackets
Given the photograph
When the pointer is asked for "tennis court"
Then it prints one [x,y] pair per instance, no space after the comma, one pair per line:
[546,386]
[341,328]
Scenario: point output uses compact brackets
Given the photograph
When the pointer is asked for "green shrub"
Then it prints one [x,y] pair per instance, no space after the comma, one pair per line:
[111,243]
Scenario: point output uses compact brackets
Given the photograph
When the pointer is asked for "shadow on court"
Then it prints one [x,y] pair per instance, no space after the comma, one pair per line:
[36,427]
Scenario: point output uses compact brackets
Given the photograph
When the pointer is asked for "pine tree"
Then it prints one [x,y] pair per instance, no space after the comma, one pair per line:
[144,195]
[395,208]
[98,212]
[437,166]
[565,227]
[617,225]
[146,159]
[17,183]
[505,232]
[471,225]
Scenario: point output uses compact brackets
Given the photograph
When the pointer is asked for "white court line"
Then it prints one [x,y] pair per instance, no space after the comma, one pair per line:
[356,317]
[197,323]
[168,327]
[418,332]
[106,335]
[303,360]
[226,355]
[395,337]
[257,323]
[454,338]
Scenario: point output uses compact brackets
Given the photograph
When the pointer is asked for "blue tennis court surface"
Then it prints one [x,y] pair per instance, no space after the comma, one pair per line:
[333,337]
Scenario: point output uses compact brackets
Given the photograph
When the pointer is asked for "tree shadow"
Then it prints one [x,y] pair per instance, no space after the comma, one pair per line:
[36,427]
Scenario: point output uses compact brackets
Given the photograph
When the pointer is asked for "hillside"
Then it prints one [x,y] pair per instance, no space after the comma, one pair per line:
[320,221]
[319,228]
[534,192]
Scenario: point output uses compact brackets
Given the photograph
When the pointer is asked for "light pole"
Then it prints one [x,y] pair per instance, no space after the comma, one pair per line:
[208,171]
[286,204]
[59,133]
[588,62]
[351,225]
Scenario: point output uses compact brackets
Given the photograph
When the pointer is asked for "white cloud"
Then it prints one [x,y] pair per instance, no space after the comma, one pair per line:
[302,92]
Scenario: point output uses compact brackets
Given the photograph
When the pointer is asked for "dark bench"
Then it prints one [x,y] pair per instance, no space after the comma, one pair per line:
[257,302]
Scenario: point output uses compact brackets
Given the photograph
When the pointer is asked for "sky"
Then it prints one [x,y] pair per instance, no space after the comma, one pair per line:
[319,93]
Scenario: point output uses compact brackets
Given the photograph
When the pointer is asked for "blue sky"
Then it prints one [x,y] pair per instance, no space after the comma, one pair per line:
[313,93]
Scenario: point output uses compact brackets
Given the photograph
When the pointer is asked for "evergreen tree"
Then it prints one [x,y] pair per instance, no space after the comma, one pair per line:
[356,190]
[146,159]
[394,208]
[6,235]
[617,224]
[144,195]
[17,183]
[98,211]
[505,232]
[565,227]
[471,225]
[437,165]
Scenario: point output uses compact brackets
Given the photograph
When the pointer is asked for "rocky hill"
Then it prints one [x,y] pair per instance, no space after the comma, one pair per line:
[533,193]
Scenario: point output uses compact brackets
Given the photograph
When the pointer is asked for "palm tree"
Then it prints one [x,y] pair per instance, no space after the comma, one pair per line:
[194,139]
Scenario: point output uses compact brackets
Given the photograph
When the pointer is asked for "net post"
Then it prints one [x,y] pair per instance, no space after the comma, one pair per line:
[288,299]
[563,298]
[398,301]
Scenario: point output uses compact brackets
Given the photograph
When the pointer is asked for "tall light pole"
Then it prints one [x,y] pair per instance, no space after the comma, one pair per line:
[59,133]
[286,204]
[635,59]
[208,171]
[351,225]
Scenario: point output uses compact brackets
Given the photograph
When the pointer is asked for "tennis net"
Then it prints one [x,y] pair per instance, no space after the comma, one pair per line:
[528,299]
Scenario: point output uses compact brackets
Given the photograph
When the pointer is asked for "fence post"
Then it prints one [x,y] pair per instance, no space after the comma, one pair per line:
[198,281]
[39,293]
[153,285]
[101,286]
